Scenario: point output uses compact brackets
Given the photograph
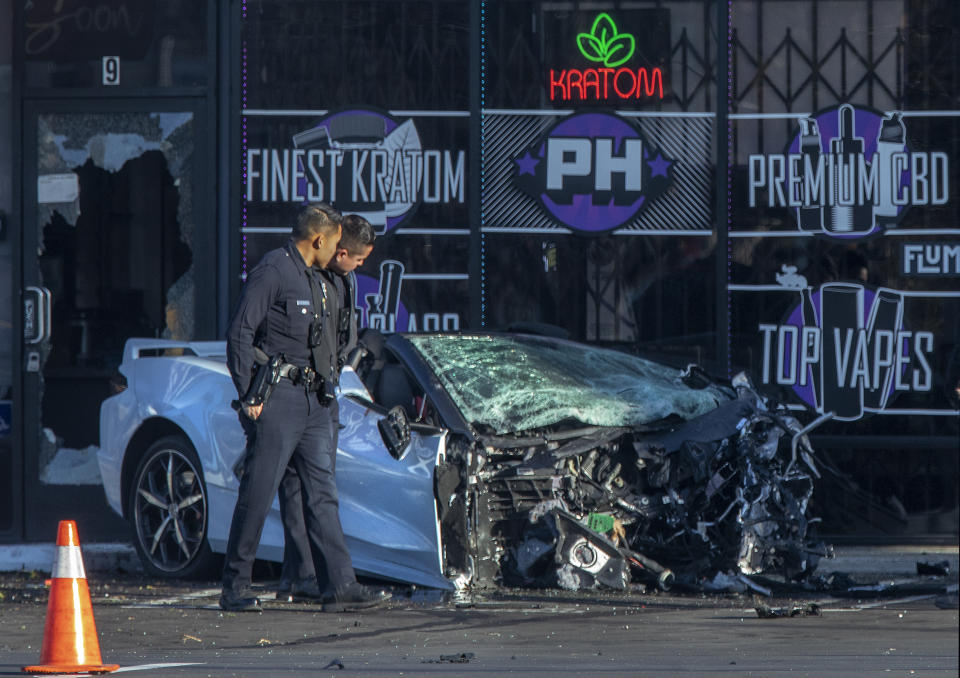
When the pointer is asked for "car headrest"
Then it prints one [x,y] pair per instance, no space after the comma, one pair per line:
[373,340]
[393,388]
[372,363]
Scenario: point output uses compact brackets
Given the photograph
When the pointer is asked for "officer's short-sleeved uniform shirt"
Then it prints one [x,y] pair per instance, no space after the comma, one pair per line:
[276,309]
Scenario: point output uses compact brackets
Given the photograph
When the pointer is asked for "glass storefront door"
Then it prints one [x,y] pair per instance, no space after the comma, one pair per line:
[110,233]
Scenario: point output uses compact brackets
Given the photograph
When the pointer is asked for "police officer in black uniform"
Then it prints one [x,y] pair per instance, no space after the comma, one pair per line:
[304,578]
[282,316]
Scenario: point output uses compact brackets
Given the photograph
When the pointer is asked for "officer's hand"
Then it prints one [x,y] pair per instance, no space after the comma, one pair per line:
[252,411]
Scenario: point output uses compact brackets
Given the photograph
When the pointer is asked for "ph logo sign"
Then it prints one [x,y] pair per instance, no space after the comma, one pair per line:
[593,172]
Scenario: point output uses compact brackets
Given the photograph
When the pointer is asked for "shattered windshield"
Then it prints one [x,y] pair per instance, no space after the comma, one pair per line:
[514,384]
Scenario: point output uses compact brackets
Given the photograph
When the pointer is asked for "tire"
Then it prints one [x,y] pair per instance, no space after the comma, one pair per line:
[168,511]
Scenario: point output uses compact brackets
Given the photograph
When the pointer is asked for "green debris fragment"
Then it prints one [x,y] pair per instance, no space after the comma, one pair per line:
[600,522]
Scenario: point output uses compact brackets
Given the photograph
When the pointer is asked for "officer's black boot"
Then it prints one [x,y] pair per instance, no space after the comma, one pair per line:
[354,596]
[230,601]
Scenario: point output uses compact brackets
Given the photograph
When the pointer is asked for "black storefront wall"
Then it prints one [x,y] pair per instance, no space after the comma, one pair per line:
[702,254]
[843,266]
[634,174]
[429,136]
[383,129]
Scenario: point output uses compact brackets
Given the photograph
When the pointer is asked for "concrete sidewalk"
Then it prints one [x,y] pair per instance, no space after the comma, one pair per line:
[880,561]
[97,557]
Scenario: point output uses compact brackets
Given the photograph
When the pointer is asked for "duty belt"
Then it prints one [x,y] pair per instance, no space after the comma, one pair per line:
[302,376]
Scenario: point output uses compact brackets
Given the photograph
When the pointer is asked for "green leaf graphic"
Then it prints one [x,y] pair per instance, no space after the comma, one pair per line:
[604,28]
[605,44]
[624,42]
[590,47]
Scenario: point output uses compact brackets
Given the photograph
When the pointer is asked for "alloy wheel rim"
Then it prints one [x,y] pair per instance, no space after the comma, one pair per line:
[170,510]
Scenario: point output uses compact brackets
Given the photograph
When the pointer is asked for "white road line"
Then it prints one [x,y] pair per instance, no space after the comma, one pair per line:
[187,597]
[125,669]
[897,601]
[145,667]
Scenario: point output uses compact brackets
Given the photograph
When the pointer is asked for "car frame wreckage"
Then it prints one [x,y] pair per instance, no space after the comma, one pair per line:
[493,459]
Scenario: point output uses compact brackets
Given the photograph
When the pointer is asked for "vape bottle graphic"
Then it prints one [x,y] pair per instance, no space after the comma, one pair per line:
[809,315]
[891,139]
[382,308]
[810,218]
[886,317]
[841,319]
[844,214]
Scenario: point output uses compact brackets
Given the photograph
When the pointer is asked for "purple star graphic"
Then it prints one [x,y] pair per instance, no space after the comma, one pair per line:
[658,166]
[527,164]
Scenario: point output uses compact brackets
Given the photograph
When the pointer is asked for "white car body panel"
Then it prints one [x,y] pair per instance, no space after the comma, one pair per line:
[387,506]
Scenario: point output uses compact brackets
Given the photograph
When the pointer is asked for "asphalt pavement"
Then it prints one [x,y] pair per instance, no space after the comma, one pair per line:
[885,618]
[882,561]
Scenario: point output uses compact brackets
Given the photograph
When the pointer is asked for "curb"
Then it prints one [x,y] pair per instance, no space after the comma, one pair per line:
[888,561]
[97,557]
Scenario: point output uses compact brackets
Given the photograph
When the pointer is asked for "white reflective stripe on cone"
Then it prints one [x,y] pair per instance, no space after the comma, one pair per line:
[68,563]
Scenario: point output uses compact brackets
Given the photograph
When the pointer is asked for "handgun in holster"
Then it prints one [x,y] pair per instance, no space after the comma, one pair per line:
[264,379]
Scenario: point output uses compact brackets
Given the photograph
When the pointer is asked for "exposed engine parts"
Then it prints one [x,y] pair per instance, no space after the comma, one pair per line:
[676,502]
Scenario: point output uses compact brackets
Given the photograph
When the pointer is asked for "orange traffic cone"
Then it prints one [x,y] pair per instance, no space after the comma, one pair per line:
[70,637]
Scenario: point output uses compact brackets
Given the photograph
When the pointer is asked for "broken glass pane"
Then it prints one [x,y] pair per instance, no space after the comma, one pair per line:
[115,249]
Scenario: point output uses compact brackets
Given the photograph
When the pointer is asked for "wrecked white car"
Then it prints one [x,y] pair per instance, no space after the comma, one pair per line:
[480,460]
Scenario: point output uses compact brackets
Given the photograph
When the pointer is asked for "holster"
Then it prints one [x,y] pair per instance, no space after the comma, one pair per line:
[264,379]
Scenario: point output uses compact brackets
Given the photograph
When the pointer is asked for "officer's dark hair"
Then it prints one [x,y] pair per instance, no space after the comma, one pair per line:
[357,234]
[314,218]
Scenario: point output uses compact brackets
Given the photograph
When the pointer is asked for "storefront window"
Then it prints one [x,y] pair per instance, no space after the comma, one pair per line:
[115,211]
[598,173]
[844,246]
[115,44]
[775,194]
[843,233]
[365,105]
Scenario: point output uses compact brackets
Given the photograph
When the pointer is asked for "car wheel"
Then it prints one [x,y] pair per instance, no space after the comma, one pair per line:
[168,510]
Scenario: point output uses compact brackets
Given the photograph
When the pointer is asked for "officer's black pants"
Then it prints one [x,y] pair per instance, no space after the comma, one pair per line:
[300,564]
[292,429]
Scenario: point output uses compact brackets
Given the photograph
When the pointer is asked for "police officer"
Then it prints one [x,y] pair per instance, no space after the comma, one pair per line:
[284,312]
[304,578]
[356,244]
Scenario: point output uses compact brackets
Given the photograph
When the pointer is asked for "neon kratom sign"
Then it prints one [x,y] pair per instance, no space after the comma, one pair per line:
[604,42]
[605,45]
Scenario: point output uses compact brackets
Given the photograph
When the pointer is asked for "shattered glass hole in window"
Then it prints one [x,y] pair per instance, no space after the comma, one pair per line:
[115,248]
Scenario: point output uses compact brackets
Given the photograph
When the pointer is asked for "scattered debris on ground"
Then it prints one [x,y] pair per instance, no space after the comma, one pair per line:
[807,610]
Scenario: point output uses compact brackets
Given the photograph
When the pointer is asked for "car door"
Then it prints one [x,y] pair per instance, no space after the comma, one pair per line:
[387,505]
